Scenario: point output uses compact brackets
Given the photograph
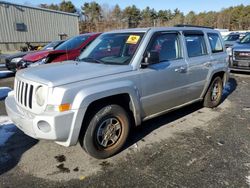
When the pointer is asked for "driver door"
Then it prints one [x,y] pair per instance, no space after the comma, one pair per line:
[164,84]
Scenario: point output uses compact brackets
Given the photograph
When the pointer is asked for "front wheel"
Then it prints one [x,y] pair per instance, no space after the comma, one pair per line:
[214,93]
[106,132]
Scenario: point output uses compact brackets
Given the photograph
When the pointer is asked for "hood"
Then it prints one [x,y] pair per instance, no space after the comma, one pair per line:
[229,42]
[35,56]
[16,55]
[56,74]
[239,46]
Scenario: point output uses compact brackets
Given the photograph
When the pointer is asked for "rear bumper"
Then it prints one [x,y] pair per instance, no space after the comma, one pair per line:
[58,124]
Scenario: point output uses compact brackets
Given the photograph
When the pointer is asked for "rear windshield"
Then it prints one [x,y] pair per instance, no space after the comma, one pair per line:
[73,43]
[232,37]
[52,45]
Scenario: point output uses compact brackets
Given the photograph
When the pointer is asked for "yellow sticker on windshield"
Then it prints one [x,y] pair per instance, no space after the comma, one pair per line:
[133,39]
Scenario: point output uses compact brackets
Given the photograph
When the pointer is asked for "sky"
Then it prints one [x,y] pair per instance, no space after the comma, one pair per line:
[183,5]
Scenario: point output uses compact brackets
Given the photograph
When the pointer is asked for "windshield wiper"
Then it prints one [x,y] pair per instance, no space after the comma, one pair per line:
[91,59]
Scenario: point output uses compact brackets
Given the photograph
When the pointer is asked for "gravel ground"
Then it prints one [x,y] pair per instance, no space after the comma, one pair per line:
[191,147]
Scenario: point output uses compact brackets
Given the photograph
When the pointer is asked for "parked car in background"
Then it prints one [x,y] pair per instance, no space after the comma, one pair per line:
[69,50]
[122,79]
[239,55]
[11,61]
[233,38]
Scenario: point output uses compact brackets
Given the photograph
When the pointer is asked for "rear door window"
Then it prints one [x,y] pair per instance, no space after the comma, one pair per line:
[196,45]
[215,42]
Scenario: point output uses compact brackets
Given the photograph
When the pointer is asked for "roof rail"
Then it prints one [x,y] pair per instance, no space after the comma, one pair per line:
[186,25]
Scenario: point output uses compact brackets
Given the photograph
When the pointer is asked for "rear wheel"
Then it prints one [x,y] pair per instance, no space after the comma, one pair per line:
[214,93]
[107,131]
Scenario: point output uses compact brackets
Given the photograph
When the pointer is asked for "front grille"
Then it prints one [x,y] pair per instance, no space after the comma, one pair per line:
[238,56]
[24,93]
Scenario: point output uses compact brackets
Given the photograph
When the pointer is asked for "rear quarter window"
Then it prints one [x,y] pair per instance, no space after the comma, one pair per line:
[215,42]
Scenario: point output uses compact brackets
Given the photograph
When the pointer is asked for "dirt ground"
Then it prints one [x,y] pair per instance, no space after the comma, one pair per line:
[190,147]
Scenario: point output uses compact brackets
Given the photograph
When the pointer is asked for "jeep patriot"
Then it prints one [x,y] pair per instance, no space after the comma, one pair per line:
[123,77]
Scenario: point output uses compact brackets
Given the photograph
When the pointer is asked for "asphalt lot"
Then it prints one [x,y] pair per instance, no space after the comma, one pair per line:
[191,147]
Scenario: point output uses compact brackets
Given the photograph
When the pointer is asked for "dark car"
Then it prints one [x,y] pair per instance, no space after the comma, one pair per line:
[239,55]
[233,38]
[69,50]
[11,61]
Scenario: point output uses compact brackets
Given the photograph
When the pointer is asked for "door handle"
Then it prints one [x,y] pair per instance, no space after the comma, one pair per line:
[181,70]
[208,64]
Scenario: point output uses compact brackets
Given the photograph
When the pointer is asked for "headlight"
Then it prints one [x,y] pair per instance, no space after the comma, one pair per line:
[229,51]
[40,96]
[40,62]
[16,60]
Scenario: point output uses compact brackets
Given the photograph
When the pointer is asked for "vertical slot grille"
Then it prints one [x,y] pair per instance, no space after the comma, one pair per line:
[24,93]
[30,96]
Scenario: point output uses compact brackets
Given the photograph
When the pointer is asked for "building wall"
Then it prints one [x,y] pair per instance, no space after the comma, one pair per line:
[41,25]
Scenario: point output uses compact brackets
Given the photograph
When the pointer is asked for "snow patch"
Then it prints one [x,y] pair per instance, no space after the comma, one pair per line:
[4,92]
[248,180]
[7,129]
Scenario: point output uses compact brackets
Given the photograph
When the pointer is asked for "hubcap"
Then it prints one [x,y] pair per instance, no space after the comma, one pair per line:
[109,132]
[215,92]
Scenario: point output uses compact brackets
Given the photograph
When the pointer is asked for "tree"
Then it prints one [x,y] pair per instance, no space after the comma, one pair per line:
[51,6]
[117,13]
[148,17]
[132,15]
[164,16]
[178,18]
[92,11]
[190,18]
[67,6]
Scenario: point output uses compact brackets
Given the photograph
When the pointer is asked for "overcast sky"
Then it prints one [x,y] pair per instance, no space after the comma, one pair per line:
[184,5]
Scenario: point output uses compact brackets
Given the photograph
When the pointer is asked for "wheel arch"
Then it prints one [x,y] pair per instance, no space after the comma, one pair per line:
[224,75]
[121,93]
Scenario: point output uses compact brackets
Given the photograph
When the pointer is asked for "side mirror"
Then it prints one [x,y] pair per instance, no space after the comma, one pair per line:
[151,57]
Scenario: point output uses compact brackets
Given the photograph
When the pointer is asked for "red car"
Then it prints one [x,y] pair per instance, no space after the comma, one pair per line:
[69,50]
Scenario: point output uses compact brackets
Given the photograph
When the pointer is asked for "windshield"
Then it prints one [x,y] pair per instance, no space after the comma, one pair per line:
[231,37]
[114,48]
[246,39]
[72,43]
[52,45]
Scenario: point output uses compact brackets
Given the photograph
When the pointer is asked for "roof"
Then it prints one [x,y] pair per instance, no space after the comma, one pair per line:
[155,29]
[38,8]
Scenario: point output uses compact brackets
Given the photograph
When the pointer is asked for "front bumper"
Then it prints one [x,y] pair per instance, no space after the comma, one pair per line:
[59,122]
[243,66]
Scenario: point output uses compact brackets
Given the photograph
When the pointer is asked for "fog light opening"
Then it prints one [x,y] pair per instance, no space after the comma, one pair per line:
[44,126]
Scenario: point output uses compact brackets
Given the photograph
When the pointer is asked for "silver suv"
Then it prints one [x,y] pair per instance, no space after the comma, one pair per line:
[123,78]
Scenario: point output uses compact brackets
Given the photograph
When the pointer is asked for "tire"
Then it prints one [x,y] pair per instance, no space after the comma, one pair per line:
[106,132]
[214,93]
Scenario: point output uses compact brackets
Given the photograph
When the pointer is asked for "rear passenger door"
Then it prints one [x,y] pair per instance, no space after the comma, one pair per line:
[164,84]
[217,54]
[199,62]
